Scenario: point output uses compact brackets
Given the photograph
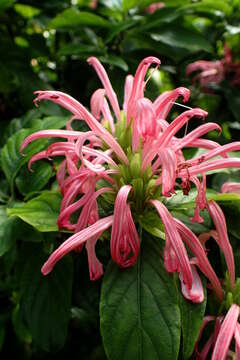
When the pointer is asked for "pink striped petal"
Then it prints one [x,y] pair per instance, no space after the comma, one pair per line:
[144,123]
[211,165]
[95,266]
[165,101]
[198,250]
[176,241]
[218,218]
[139,85]
[99,105]
[230,187]
[124,242]
[237,341]
[168,161]
[193,135]
[80,111]
[196,293]
[226,333]
[127,90]
[171,261]
[75,241]
[106,83]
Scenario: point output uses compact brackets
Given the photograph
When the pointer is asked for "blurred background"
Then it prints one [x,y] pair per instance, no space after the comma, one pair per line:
[44,45]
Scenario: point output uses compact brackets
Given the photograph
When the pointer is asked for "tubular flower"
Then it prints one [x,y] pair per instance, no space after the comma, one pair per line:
[214,72]
[133,158]
[230,187]
[225,329]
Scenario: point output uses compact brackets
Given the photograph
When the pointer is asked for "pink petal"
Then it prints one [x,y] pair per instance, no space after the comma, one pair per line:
[168,161]
[226,333]
[211,165]
[127,91]
[144,123]
[75,241]
[165,101]
[198,250]
[230,187]
[196,293]
[176,241]
[193,135]
[95,266]
[139,85]
[218,218]
[106,83]
[124,242]
[81,112]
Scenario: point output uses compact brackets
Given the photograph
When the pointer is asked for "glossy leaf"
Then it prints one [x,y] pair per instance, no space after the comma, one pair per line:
[139,313]
[182,38]
[8,231]
[30,181]
[41,212]
[72,17]
[46,301]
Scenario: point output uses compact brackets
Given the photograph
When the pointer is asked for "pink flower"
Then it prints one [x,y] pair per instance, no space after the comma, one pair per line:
[225,329]
[231,187]
[154,7]
[214,72]
[133,158]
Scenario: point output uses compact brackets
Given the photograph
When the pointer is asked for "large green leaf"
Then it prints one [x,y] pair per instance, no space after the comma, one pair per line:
[8,231]
[30,181]
[72,17]
[41,212]
[139,313]
[188,39]
[46,301]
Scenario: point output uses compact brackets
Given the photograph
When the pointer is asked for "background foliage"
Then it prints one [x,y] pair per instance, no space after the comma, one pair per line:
[44,45]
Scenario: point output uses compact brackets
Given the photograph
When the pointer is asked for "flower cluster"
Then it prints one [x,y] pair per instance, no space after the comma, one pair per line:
[133,159]
[214,72]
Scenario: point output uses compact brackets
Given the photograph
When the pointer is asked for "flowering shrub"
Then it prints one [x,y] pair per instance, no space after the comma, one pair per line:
[214,72]
[134,161]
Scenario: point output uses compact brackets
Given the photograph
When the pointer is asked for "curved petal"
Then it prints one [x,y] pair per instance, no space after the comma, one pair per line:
[176,241]
[218,218]
[124,242]
[165,101]
[78,109]
[196,293]
[106,83]
[75,241]
[226,333]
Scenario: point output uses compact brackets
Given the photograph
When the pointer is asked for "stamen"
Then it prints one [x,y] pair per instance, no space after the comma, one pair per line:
[152,71]
[186,107]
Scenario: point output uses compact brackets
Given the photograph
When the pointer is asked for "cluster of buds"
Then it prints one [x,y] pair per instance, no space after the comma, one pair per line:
[134,159]
[214,72]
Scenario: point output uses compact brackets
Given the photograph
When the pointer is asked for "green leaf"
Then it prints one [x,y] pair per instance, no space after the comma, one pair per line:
[80,49]
[152,223]
[46,301]
[191,321]
[5,4]
[12,160]
[30,181]
[20,328]
[139,313]
[72,17]
[8,231]
[41,212]
[114,60]
[26,11]
[188,39]
[2,335]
